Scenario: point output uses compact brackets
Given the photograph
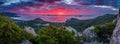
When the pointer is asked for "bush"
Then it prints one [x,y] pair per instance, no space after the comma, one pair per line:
[54,35]
[104,32]
[10,33]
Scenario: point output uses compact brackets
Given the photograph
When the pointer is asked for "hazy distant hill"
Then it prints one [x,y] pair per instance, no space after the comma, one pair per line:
[36,23]
[75,23]
[82,24]
[8,14]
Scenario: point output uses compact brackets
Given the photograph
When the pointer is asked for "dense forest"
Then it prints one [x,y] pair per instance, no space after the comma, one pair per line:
[14,32]
[11,33]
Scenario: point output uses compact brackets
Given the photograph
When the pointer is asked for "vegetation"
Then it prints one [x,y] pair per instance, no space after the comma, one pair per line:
[54,35]
[36,23]
[80,25]
[104,31]
[10,33]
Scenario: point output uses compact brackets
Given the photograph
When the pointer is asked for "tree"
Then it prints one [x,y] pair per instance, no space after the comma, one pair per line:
[54,35]
[104,31]
[10,33]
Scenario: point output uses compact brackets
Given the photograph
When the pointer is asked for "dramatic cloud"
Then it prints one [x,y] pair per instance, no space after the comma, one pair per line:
[48,1]
[1,2]
[9,2]
[70,2]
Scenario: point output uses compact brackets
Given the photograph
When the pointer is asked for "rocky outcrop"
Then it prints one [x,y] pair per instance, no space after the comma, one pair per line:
[30,30]
[116,33]
[89,34]
[26,42]
[69,28]
[94,42]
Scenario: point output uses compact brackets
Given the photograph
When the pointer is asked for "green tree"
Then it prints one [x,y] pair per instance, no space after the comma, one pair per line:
[104,31]
[55,35]
[10,33]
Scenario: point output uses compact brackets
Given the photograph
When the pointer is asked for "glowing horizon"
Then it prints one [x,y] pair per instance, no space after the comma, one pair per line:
[61,12]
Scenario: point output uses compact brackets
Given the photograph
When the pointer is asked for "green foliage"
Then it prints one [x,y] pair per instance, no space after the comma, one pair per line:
[104,31]
[36,23]
[80,25]
[54,35]
[10,33]
[45,39]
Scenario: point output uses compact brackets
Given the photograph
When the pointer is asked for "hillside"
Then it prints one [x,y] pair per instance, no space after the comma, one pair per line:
[75,23]
[82,24]
[79,25]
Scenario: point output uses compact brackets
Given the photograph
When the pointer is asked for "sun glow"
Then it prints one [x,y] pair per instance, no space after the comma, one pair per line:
[61,13]
[54,11]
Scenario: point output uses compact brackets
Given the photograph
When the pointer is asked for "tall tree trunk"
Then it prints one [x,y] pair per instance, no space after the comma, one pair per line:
[115,39]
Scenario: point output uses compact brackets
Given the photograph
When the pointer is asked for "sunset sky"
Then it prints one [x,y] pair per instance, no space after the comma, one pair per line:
[58,10]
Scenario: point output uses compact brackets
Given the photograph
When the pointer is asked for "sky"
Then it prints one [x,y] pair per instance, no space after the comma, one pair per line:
[58,10]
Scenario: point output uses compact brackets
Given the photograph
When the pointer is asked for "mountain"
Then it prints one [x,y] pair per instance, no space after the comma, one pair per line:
[8,14]
[116,33]
[36,23]
[79,25]
[82,24]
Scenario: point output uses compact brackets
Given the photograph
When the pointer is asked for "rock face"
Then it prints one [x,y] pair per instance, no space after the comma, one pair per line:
[30,30]
[116,33]
[69,28]
[89,35]
[26,42]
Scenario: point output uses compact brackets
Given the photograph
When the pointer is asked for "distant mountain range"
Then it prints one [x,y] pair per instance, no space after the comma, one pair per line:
[8,14]
[75,23]
[79,25]
[82,24]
